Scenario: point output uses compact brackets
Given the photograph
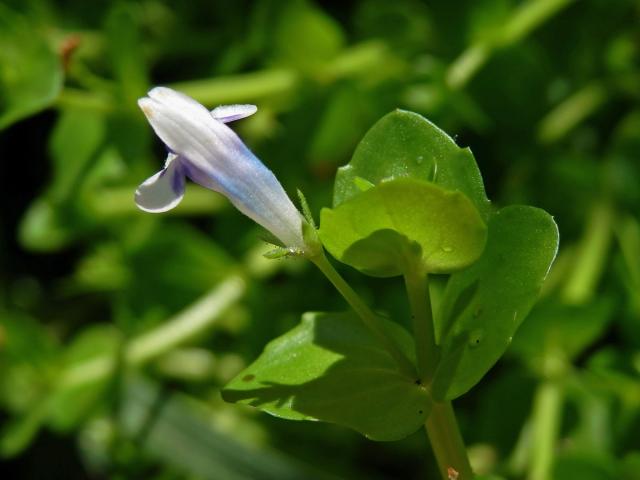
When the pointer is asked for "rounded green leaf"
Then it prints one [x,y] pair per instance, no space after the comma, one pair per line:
[330,368]
[483,305]
[404,144]
[387,228]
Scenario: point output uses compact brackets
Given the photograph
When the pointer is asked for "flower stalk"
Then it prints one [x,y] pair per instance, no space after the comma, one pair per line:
[427,351]
[370,319]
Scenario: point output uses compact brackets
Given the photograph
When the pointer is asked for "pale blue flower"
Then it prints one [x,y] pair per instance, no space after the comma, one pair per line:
[202,148]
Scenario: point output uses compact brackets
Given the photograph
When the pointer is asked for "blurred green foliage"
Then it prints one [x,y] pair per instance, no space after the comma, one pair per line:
[118,328]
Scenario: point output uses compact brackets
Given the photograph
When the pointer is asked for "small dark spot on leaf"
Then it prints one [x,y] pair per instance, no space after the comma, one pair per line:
[248,378]
[420,412]
[418,382]
[475,337]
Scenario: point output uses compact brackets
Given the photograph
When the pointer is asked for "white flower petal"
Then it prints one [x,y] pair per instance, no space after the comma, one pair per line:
[230,113]
[162,191]
[187,128]
[173,97]
[211,154]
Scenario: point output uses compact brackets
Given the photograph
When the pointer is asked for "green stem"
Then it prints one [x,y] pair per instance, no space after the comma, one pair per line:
[592,254]
[370,319]
[242,87]
[81,99]
[417,284]
[176,331]
[572,111]
[358,59]
[467,64]
[628,235]
[446,441]
[529,16]
[547,408]
[525,18]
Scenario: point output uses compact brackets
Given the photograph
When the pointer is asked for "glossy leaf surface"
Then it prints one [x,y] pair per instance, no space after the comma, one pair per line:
[405,144]
[331,368]
[483,306]
[387,228]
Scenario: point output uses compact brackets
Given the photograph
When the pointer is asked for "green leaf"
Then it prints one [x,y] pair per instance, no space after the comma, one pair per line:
[195,259]
[52,219]
[331,368]
[43,228]
[305,37]
[69,405]
[126,52]
[30,72]
[586,466]
[343,121]
[483,306]
[386,228]
[18,433]
[76,138]
[559,329]
[27,357]
[405,144]
[31,342]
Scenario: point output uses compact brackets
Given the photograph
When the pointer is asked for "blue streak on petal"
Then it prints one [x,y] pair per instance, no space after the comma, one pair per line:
[212,155]
[254,190]
[177,183]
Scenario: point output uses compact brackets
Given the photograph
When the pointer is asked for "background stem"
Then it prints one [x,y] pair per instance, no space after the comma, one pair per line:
[177,330]
[524,18]
[592,254]
[547,406]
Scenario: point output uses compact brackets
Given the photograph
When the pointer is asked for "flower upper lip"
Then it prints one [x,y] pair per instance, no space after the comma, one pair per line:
[203,148]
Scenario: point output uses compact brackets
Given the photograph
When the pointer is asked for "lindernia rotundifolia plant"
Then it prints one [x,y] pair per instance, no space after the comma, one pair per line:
[410,203]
